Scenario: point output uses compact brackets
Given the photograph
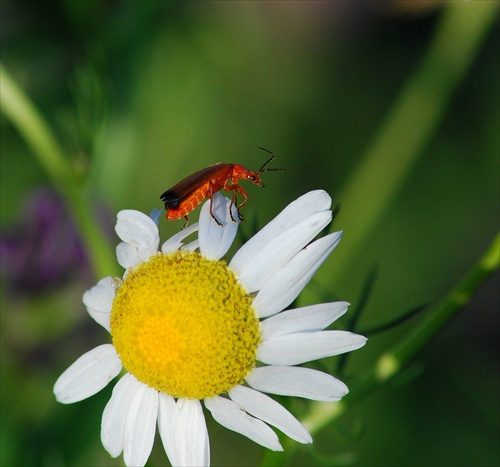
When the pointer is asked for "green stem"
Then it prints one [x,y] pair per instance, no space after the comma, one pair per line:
[100,251]
[25,117]
[29,122]
[390,363]
[409,126]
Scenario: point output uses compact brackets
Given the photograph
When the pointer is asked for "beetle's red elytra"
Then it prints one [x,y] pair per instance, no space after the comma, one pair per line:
[186,195]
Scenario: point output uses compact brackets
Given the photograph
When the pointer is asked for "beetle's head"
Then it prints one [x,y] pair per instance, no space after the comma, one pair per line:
[253,177]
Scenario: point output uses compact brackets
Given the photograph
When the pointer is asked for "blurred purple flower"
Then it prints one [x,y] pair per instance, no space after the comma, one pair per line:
[44,250]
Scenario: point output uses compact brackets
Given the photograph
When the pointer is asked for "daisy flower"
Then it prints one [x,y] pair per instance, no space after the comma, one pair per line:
[191,329]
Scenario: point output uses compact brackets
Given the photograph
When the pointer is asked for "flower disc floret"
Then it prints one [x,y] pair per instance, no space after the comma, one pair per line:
[183,325]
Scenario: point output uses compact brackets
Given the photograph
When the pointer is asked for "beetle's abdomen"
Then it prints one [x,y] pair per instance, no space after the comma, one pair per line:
[179,207]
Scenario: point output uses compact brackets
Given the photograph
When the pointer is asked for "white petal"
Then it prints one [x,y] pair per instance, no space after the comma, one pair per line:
[215,240]
[127,255]
[99,301]
[191,246]
[287,283]
[298,382]
[136,228]
[230,415]
[139,230]
[300,347]
[140,426]
[88,375]
[279,250]
[167,416]
[174,243]
[295,212]
[308,318]
[115,414]
[268,410]
[191,434]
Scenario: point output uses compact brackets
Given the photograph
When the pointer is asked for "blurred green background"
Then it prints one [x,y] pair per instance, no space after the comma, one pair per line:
[142,93]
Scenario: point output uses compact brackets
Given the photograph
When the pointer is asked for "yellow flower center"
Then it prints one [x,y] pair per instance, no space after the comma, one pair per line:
[183,325]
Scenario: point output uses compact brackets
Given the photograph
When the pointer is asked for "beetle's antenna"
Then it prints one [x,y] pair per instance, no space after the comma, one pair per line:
[263,168]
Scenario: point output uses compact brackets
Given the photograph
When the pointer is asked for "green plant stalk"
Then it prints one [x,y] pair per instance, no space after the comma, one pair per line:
[390,363]
[17,107]
[409,126]
[25,117]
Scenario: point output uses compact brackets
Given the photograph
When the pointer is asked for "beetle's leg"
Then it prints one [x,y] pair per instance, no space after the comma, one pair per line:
[233,203]
[211,213]
[185,223]
[245,199]
[228,187]
[237,189]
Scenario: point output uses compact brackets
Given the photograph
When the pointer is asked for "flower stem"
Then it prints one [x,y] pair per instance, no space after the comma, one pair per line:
[29,122]
[410,124]
[26,118]
[391,362]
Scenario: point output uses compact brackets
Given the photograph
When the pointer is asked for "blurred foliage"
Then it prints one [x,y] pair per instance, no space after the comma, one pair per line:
[143,93]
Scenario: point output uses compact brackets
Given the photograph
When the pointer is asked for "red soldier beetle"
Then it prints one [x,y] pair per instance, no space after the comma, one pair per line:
[186,195]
